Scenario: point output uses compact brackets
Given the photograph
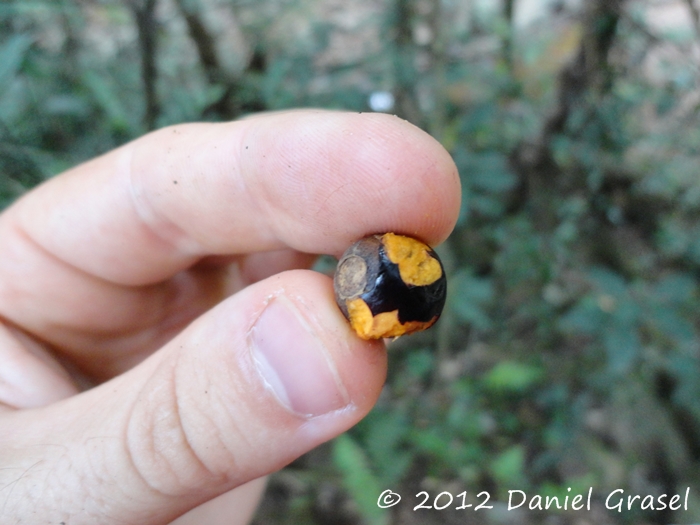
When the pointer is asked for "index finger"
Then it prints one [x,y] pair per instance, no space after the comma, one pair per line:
[314,181]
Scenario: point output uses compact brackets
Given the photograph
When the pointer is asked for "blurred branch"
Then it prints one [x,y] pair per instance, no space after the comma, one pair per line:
[230,104]
[71,44]
[16,162]
[508,16]
[589,70]
[437,118]
[144,14]
[653,38]
[588,74]
[204,42]
[404,67]
[695,15]
[446,328]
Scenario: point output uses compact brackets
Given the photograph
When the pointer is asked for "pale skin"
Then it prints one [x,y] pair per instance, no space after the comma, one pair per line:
[141,295]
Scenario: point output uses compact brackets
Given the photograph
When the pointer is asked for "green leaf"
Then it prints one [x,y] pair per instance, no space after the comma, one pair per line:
[359,480]
[106,95]
[626,312]
[670,321]
[485,177]
[608,281]
[12,54]
[487,206]
[465,418]
[420,364]
[676,288]
[470,298]
[508,467]
[511,376]
[431,441]
[622,345]
[686,371]
[384,442]
[488,172]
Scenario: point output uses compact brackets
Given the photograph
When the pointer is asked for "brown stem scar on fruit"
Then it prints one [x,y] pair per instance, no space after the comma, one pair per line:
[390,285]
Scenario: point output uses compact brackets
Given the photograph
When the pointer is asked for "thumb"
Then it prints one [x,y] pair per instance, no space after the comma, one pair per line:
[257,381]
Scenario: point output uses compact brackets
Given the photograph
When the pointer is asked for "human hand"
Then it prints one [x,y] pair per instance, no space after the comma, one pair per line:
[163,341]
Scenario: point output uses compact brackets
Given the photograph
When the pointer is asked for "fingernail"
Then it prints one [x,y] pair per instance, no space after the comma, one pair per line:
[293,361]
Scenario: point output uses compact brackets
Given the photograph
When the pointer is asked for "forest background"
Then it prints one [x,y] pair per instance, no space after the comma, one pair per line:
[567,356]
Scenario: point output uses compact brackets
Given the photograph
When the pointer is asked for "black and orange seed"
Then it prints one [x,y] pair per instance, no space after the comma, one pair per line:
[390,285]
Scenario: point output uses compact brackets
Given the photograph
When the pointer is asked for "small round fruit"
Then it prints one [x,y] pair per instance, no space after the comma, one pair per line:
[390,285]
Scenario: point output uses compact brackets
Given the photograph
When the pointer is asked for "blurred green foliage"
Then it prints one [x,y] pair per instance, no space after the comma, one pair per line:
[568,352]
